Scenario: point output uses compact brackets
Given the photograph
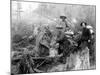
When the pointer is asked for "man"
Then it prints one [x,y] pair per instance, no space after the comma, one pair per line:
[87,33]
[64,20]
[87,37]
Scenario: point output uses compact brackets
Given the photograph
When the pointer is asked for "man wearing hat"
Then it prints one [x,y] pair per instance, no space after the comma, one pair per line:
[64,20]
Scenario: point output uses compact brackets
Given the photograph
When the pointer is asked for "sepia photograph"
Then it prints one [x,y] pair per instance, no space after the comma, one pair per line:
[52,37]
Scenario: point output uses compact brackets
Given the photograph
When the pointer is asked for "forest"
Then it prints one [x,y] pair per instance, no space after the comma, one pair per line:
[41,43]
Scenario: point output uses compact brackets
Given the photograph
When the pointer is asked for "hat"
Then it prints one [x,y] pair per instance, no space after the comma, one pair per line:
[63,17]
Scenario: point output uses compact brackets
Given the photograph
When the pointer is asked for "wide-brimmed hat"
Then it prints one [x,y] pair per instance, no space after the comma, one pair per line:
[63,17]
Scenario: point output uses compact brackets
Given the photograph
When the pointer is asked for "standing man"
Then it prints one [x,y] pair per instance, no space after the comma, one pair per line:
[88,37]
[64,20]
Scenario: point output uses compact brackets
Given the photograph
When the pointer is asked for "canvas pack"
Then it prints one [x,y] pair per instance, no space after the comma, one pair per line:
[52,37]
